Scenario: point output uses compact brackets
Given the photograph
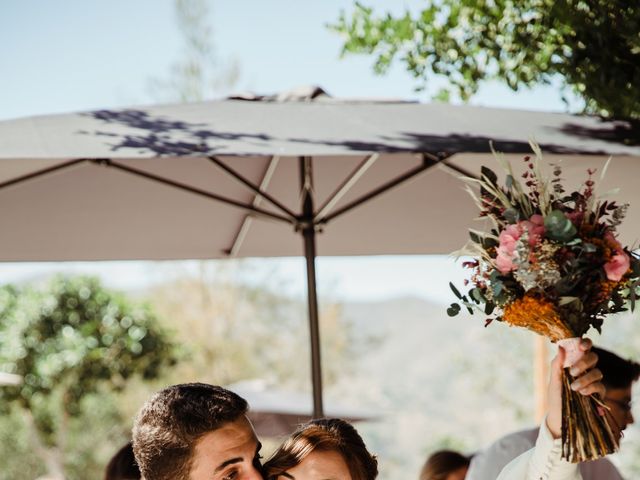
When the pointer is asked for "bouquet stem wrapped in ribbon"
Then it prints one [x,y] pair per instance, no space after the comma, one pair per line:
[551,263]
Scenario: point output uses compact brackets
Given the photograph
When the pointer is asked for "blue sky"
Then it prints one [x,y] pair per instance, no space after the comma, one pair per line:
[79,55]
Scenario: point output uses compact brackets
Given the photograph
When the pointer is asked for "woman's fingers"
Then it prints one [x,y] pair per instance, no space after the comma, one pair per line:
[585,344]
[587,362]
[589,383]
[587,377]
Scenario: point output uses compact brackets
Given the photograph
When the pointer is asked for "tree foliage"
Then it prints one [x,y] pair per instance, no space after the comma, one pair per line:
[73,340]
[237,331]
[594,46]
[200,72]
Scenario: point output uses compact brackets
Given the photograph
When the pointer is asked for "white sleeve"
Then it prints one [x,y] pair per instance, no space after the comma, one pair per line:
[488,463]
[543,462]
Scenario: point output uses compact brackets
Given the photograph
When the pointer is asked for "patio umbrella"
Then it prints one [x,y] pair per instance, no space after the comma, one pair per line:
[237,178]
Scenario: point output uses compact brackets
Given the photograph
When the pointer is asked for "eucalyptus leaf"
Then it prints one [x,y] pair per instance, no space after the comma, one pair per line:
[453,310]
[512,215]
[455,291]
[477,295]
[475,237]
[635,267]
[489,175]
[559,227]
[489,242]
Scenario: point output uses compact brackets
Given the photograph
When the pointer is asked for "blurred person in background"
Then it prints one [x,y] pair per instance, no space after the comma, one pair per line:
[445,465]
[122,465]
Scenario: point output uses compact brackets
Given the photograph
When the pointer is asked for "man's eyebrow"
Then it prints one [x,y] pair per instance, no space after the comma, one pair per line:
[231,461]
[225,464]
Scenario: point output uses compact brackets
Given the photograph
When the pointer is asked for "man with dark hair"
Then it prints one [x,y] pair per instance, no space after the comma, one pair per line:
[196,431]
[618,377]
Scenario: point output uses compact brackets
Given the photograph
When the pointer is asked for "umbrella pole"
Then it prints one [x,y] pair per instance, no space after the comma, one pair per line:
[308,228]
[309,235]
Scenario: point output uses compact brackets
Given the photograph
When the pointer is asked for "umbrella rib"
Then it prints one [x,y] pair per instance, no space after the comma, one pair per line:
[428,161]
[246,222]
[349,182]
[189,188]
[258,190]
[41,173]
[456,169]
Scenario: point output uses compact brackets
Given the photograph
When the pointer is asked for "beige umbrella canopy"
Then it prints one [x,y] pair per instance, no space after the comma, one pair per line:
[237,178]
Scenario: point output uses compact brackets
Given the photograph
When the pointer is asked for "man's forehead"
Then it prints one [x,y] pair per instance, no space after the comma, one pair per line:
[241,429]
[229,436]
[232,443]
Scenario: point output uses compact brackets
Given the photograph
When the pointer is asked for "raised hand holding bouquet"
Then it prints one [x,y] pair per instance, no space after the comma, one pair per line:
[551,263]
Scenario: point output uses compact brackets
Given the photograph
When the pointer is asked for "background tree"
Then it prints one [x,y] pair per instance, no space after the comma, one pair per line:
[73,343]
[593,47]
[201,72]
[235,330]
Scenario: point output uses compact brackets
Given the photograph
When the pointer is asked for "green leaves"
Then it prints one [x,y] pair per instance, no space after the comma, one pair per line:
[466,42]
[455,291]
[74,338]
[559,227]
[478,298]
[453,310]
[512,215]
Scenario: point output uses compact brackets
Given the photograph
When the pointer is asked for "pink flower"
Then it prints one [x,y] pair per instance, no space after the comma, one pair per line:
[617,266]
[575,217]
[535,228]
[508,238]
[504,263]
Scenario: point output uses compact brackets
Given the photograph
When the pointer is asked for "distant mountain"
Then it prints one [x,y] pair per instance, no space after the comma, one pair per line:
[449,382]
[439,381]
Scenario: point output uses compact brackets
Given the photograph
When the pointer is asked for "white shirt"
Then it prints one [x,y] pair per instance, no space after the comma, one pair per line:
[487,464]
[543,462]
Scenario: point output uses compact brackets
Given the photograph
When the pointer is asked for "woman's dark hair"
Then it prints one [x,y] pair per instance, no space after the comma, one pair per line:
[122,465]
[441,463]
[334,435]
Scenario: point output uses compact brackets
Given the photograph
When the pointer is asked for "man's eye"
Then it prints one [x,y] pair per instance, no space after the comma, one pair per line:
[231,475]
